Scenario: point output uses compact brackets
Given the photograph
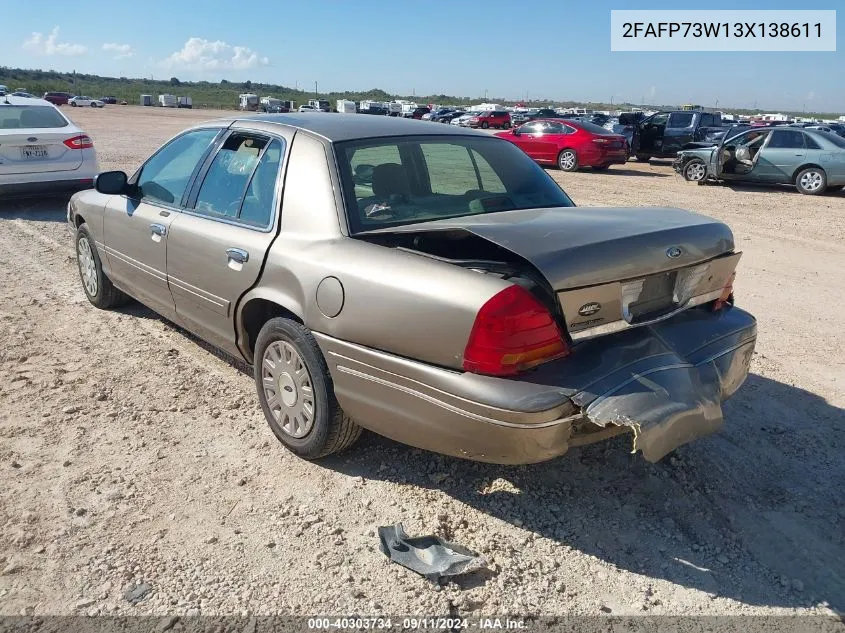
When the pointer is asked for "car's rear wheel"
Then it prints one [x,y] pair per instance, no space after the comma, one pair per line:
[695,170]
[507,126]
[567,160]
[811,181]
[97,286]
[643,158]
[296,392]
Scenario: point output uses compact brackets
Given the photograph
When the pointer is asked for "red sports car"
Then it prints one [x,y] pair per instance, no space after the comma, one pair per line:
[569,144]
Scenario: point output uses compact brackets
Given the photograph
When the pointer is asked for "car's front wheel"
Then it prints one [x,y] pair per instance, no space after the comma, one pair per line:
[695,170]
[811,181]
[484,125]
[73,104]
[96,284]
[296,392]
[567,160]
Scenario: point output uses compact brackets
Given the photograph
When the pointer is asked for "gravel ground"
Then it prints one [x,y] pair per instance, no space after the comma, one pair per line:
[134,458]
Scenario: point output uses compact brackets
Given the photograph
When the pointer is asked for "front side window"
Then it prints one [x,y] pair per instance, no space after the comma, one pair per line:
[166,175]
[681,119]
[390,182]
[225,183]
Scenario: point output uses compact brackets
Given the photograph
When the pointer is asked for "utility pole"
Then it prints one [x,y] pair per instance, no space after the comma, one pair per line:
[316,95]
[485,94]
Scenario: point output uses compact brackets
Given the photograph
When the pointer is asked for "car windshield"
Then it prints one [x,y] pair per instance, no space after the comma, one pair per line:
[404,180]
[30,117]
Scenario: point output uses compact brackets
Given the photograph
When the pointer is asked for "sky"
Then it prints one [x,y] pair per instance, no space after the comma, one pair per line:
[559,51]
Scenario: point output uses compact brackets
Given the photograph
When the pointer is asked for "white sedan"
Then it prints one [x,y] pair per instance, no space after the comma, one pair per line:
[41,151]
[85,101]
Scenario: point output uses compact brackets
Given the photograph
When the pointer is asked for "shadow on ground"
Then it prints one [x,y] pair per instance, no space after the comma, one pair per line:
[753,513]
[46,209]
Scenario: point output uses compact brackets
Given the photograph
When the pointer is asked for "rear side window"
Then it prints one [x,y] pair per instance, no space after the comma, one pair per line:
[681,119]
[787,139]
[30,117]
[834,139]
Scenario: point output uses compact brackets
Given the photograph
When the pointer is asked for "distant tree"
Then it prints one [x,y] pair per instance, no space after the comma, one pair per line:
[247,84]
[174,81]
[223,82]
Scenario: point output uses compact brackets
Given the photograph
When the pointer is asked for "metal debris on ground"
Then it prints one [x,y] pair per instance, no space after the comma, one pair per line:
[429,556]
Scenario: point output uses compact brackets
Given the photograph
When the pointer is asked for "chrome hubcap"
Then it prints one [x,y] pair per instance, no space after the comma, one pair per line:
[567,160]
[288,389]
[87,266]
[811,181]
[696,171]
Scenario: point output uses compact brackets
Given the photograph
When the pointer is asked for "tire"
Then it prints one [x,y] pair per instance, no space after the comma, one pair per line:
[484,125]
[567,160]
[280,343]
[695,170]
[96,285]
[643,158]
[507,126]
[811,181]
[73,104]
[93,105]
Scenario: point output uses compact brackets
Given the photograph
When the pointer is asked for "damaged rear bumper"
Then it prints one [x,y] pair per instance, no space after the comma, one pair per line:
[664,383]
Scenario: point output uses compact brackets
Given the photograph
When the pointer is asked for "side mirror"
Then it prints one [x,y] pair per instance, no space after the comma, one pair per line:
[111,182]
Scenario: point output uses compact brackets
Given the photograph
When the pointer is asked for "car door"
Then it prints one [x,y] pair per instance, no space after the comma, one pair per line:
[680,129]
[552,139]
[528,138]
[781,156]
[216,247]
[135,228]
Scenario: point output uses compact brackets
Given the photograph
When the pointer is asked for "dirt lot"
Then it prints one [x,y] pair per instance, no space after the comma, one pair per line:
[131,453]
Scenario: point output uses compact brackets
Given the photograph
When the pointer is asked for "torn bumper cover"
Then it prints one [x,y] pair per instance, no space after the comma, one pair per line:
[663,382]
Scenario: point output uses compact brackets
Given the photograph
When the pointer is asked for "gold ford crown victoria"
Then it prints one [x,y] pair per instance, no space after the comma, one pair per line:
[433,285]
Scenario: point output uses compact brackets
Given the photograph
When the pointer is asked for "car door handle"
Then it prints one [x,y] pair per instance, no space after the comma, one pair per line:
[238,255]
[158,229]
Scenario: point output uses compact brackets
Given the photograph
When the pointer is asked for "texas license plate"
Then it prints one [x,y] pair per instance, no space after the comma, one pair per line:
[30,152]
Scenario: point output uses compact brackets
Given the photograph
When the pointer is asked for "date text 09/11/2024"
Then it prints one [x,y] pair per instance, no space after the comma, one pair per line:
[442,624]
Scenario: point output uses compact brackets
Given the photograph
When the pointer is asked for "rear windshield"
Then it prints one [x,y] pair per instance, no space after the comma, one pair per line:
[14,117]
[591,127]
[830,137]
[403,180]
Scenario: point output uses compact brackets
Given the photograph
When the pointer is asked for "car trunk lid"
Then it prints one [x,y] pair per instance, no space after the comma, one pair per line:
[37,150]
[610,268]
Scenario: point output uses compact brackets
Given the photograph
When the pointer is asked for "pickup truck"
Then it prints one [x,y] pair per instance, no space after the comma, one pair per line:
[664,134]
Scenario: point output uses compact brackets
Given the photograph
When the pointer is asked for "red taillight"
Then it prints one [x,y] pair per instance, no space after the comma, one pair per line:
[512,332]
[79,142]
[725,298]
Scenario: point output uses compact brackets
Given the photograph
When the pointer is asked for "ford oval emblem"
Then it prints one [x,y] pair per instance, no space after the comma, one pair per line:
[589,308]
[32,139]
[673,252]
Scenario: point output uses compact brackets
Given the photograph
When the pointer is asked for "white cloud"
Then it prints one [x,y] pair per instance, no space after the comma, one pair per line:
[121,51]
[50,46]
[200,54]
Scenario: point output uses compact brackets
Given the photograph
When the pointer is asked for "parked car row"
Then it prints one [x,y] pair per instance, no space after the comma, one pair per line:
[65,98]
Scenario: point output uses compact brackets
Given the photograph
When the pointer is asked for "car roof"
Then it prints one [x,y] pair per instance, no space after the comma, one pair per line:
[337,127]
[30,101]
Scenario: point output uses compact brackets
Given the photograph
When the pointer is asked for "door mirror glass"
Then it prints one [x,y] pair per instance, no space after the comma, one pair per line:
[111,182]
